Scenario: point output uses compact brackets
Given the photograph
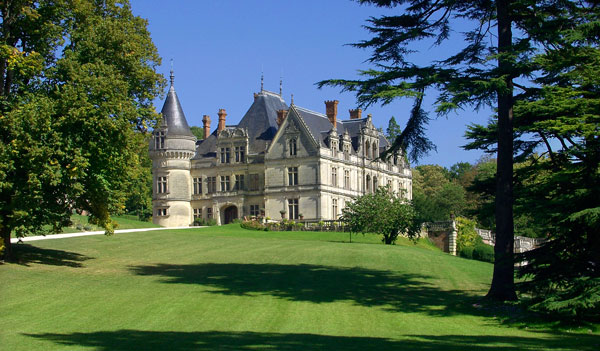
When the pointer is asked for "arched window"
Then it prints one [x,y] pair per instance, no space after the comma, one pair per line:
[367,149]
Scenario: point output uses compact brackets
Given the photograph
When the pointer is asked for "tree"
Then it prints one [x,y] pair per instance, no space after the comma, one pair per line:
[382,212]
[77,81]
[198,132]
[393,130]
[435,197]
[483,72]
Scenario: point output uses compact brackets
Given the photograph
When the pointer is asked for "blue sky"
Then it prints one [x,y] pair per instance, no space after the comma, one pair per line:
[220,48]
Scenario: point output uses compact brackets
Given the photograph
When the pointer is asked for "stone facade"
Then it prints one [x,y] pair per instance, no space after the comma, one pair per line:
[279,161]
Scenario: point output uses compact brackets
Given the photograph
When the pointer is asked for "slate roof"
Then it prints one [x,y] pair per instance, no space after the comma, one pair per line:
[173,117]
[261,123]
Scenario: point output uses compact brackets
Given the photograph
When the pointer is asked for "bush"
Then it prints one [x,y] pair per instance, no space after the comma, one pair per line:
[467,236]
[466,252]
[253,225]
[483,252]
[204,222]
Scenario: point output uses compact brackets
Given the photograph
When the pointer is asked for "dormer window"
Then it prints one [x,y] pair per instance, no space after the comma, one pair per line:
[347,152]
[293,147]
[240,154]
[225,155]
[159,139]
[375,151]
[367,150]
[334,148]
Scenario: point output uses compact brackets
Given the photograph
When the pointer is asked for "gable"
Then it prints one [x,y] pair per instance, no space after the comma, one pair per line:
[293,127]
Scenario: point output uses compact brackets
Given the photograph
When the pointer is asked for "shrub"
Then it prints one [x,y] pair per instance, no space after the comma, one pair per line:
[483,252]
[253,225]
[205,222]
[467,236]
[466,252]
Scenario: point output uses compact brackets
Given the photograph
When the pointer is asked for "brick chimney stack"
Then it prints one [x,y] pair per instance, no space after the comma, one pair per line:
[331,111]
[281,115]
[222,115]
[356,113]
[206,124]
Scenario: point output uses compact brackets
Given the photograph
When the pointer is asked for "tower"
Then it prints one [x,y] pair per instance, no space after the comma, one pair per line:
[172,147]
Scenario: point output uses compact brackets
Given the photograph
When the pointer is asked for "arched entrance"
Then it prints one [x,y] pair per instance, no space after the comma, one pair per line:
[230,214]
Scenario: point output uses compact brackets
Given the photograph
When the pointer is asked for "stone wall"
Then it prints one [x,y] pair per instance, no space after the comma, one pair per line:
[443,235]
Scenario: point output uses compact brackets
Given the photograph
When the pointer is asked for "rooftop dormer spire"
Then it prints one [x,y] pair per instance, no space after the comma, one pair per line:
[262,82]
[172,74]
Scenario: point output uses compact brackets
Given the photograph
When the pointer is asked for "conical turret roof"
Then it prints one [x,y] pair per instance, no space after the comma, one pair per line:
[173,116]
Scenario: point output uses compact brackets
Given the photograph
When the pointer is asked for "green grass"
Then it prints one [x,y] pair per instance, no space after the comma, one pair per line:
[224,288]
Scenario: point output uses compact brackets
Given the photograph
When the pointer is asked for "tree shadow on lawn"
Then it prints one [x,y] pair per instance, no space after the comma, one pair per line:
[26,254]
[122,340]
[321,284]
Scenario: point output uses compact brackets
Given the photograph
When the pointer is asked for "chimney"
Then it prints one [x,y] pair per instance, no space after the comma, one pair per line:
[222,115]
[206,124]
[356,113]
[281,115]
[331,111]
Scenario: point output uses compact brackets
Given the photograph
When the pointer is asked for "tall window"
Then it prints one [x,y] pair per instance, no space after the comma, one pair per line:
[367,150]
[334,177]
[368,184]
[346,179]
[225,155]
[211,185]
[197,213]
[159,140]
[161,185]
[334,208]
[293,176]
[375,151]
[209,213]
[334,148]
[293,147]
[253,182]
[197,186]
[225,183]
[293,208]
[347,152]
[240,154]
[239,182]
[254,211]
[390,186]
[375,184]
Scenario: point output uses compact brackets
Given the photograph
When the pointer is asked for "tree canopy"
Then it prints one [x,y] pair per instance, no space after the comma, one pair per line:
[77,80]
[504,43]
[382,212]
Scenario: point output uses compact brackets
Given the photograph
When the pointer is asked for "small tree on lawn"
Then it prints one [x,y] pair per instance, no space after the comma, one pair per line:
[383,212]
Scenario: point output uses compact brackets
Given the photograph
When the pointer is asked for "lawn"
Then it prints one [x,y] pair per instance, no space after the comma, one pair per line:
[225,288]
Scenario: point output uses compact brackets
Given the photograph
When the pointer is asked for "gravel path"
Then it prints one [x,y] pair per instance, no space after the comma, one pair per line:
[98,232]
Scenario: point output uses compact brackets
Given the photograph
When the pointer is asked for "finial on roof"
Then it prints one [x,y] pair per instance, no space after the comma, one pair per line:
[172,74]
[262,81]
[281,86]
[292,99]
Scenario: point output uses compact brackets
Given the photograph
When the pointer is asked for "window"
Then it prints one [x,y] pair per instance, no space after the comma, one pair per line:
[239,182]
[197,186]
[375,151]
[390,186]
[293,208]
[224,183]
[254,211]
[209,213]
[293,176]
[197,213]
[161,212]
[211,185]
[159,140]
[368,184]
[347,152]
[367,149]
[225,155]
[253,182]
[374,184]
[346,179]
[334,178]
[293,147]
[161,185]
[240,154]
[334,148]
[334,208]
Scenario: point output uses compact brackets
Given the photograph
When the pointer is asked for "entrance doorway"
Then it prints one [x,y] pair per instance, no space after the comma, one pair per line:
[230,214]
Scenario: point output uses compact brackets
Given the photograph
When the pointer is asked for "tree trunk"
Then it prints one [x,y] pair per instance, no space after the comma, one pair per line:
[7,253]
[503,284]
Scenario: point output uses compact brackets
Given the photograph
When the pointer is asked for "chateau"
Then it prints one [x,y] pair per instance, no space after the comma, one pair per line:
[278,161]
